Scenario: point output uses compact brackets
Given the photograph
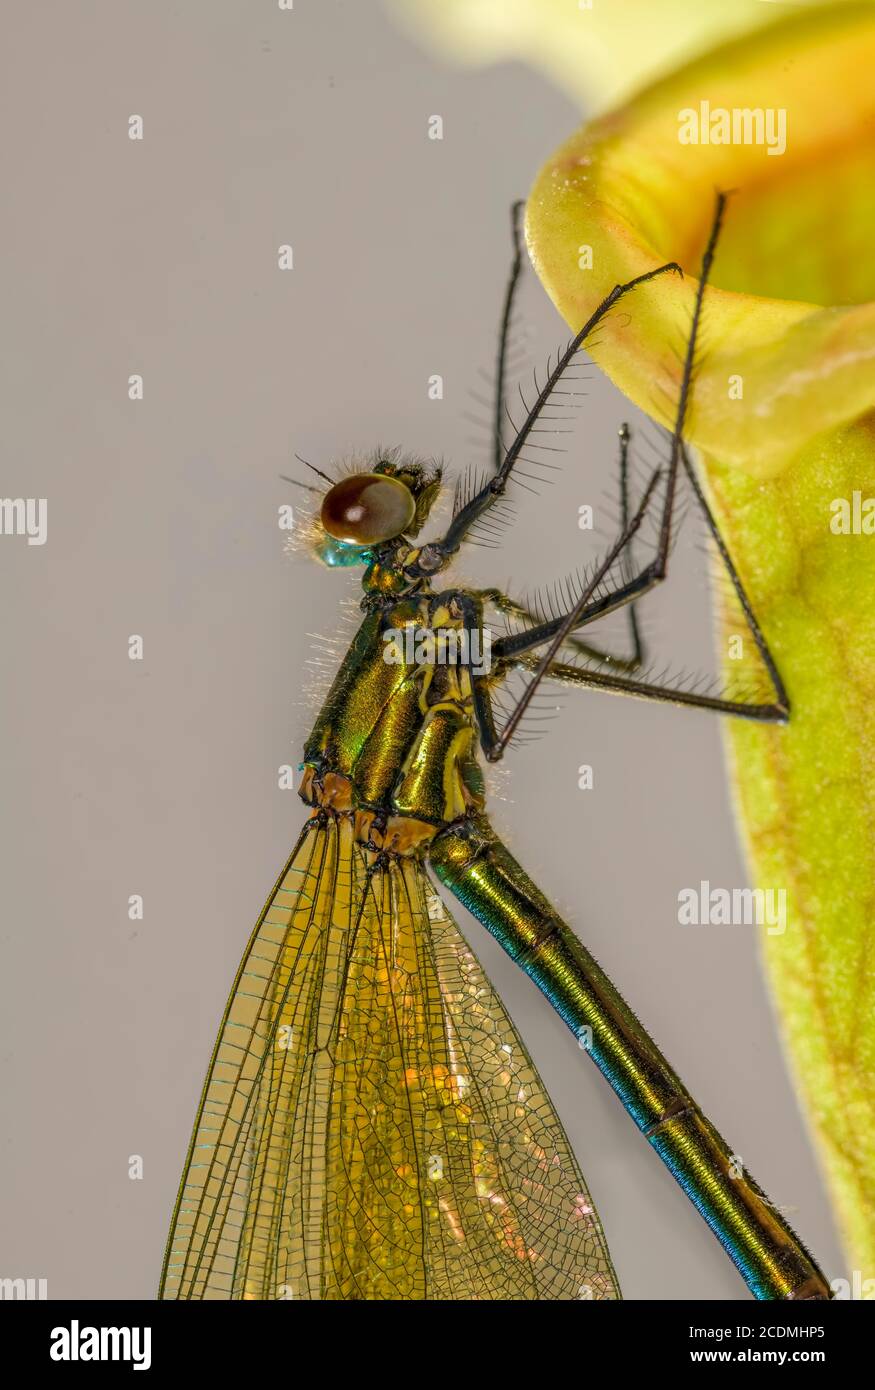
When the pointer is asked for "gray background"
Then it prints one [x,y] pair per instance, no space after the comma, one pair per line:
[160,777]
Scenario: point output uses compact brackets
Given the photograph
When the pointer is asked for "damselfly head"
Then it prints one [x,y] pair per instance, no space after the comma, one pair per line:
[376,500]
[389,499]
[367,509]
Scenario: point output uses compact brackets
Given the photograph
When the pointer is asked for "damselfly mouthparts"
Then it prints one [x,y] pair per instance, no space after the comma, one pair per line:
[371,1126]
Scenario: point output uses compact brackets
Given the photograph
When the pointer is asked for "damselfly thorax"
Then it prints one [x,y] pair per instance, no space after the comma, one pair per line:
[395,743]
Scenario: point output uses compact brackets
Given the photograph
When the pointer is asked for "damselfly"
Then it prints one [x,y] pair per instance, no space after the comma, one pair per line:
[371,1126]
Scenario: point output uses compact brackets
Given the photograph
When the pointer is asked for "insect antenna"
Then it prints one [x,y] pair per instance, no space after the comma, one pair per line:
[296,482]
[315,470]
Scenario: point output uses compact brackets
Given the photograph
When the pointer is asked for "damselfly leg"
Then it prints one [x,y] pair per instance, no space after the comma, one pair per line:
[513,609]
[561,631]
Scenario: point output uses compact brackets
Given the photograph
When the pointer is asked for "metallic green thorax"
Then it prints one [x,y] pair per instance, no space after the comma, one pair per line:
[401,731]
[394,746]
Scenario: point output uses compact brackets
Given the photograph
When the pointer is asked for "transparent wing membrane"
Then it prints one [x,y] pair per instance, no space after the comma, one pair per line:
[372,1126]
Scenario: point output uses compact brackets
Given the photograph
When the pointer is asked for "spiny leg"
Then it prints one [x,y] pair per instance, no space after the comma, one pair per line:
[513,609]
[762,646]
[656,571]
[497,485]
[559,629]
[494,746]
[472,862]
[434,554]
[767,713]
[627,563]
[504,335]
[776,711]
[661,562]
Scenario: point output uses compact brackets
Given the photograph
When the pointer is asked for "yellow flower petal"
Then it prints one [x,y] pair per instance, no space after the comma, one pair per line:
[598,51]
[798,233]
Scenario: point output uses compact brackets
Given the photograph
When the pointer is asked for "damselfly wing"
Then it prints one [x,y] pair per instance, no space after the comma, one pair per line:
[372,1126]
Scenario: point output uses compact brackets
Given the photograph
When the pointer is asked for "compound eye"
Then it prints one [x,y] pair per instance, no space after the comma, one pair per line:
[367,508]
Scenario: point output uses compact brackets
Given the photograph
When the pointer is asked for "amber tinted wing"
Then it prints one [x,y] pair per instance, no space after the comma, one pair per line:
[372,1126]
